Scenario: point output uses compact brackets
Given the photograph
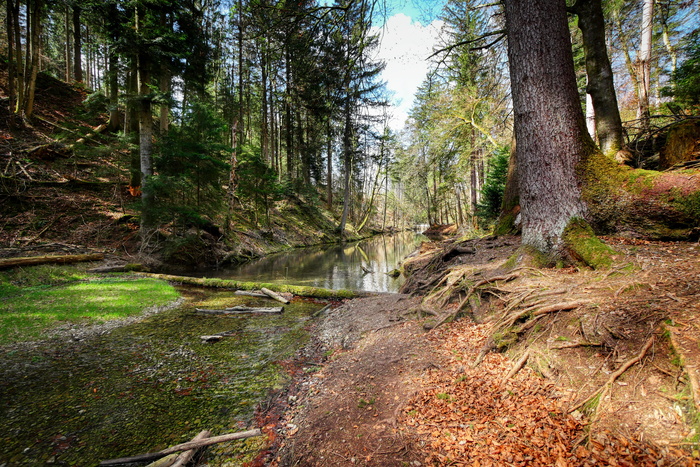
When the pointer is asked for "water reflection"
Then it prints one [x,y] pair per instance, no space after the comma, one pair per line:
[334,266]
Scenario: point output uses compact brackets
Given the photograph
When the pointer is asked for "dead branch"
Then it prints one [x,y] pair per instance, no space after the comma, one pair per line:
[572,345]
[565,306]
[603,390]
[274,295]
[241,309]
[183,447]
[250,294]
[518,365]
[184,458]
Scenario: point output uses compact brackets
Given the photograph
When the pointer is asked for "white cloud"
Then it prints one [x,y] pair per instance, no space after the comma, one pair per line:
[405,46]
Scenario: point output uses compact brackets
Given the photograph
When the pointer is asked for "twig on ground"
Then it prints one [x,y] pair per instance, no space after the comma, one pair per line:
[603,390]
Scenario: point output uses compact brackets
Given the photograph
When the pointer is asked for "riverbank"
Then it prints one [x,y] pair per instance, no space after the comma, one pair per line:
[600,384]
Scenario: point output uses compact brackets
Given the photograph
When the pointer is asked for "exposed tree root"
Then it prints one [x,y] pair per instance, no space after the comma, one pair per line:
[517,366]
[603,390]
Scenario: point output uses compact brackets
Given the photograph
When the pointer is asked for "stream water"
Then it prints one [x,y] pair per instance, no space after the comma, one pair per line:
[147,385]
[333,266]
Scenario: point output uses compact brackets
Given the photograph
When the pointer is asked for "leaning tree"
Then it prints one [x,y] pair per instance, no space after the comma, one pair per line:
[563,177]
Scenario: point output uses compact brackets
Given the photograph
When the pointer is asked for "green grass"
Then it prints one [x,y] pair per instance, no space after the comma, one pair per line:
[33,300]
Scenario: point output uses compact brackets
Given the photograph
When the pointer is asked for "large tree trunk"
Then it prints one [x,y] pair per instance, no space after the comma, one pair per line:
[561,174]
[550,128]
[601,87]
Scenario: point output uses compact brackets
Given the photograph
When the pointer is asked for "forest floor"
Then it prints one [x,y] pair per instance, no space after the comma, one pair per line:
[611,360]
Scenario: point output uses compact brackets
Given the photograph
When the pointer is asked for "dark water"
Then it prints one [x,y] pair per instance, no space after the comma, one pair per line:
[334,266]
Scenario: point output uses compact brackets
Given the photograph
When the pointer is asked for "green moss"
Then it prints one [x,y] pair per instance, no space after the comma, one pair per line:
[31,310]
[689,205]
[504,339]
[147,385]
[584,246]
[527,256]
[300,290]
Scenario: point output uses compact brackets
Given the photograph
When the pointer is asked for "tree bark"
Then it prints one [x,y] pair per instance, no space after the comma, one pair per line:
[550,128]
[77,46]
[644,63]
[143,72]
[600,86]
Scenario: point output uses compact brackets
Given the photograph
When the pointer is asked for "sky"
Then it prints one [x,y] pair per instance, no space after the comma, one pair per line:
[407,38]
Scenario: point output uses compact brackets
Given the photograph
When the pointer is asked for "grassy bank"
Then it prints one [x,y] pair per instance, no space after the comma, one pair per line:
[35,299]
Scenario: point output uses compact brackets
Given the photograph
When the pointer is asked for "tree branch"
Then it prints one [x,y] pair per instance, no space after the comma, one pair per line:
[501,33]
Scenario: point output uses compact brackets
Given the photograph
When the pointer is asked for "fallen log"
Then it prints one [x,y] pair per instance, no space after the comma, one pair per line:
[250,294]
[241,309]
[301,290]
[149,457]
[54,259]
[274,295]
[218,336]
[184,458]
[166,461]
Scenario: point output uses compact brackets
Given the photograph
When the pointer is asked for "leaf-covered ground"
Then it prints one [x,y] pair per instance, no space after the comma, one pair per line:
[605,382]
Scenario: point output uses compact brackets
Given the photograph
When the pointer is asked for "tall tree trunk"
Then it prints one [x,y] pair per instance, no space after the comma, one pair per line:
[131,127]
[77,46]
[550,128]
[69,43]
[19,62]
[34,49]
[264,136]
[644,63]
[347,162]
[143,66]
[113,68]
[11,64]
[329,165]
[600,85]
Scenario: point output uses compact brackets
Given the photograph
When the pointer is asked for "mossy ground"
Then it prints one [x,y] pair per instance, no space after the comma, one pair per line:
[146,385]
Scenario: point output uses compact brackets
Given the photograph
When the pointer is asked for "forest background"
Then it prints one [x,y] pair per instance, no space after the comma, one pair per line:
[224,110]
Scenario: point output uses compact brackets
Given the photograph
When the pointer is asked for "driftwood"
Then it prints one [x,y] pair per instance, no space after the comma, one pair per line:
[322,310]
[149,457]
[218,336]
[36,260]
[241,309]
[184,458]
[250,294]
[274,295]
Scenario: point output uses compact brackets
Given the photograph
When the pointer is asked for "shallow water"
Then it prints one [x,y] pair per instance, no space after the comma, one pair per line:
[333,266]
[147,385]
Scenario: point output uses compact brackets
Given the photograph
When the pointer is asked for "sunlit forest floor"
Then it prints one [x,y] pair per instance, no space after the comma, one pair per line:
[610,381]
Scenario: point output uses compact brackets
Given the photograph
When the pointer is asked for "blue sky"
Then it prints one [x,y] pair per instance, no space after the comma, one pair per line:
[408,35]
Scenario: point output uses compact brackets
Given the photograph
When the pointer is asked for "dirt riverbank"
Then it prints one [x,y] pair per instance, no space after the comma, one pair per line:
[608,382]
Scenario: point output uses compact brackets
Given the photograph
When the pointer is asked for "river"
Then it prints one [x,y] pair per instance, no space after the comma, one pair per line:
[146,385]
[360,266]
